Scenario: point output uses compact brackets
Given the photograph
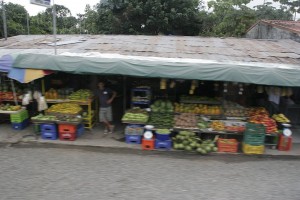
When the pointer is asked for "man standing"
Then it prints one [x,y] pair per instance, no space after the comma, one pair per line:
[106,97]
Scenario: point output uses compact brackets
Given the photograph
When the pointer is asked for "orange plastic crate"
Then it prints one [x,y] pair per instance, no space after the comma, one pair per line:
[148,144]
[63,128]
[227,145]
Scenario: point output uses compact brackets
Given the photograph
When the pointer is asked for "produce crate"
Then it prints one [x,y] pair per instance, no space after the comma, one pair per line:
[134,129]
[80,130]
[285,143]
[67,128]
[166,145]
[133,139]
[20,126]
[255,128]
[19,117]
[163,137]
[69,136]
[148,144]
[227,145]
[254,138]
[49,135]
[49,128]
[252,149]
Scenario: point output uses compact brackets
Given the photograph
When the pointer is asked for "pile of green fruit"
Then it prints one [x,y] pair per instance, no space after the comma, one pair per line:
[161,120]
[203,124]
[188,141]
[162,106]
[82,94]
[42,117]
[137,115]
[163,131]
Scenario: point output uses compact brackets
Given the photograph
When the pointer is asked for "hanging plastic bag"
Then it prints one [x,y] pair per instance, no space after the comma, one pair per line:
[26,99]
[42,104]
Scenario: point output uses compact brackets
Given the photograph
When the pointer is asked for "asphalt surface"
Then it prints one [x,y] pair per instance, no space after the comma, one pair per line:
[61,173]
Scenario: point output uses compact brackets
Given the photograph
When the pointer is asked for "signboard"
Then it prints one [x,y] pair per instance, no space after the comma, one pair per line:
[46,3]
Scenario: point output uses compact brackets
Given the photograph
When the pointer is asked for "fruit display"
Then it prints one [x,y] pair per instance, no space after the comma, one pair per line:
[161,120]
[235,128]
[82,94]
[162,106]
[281,118]
[198,109]
[186,121]
[192,99]
[163,131]
[8,107]
[136,115]
[42,117]
[203,124]
[235,112]
[186,140]
[217,125]
[261,116]
[65,108]
[58,94]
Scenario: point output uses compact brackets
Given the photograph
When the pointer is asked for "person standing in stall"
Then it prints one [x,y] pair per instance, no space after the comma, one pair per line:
[106,96]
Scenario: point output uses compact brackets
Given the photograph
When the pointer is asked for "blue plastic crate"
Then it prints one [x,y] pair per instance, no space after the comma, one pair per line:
[20,126]
[49,136]
[167,144]
[163,137]
[49,128]
[80,130]
[133,139]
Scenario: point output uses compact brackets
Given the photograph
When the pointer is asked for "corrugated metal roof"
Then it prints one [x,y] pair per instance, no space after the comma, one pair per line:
[292,26]
[218,49]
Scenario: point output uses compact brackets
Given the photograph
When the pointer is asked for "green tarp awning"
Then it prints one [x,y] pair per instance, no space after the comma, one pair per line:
[256,73]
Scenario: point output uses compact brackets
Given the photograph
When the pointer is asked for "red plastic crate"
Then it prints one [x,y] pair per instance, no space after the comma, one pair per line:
[148,144]
[285,143]
[63,128]
[227,145]
[67,136]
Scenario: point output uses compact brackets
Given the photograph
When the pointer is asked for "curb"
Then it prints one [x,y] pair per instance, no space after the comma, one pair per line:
[235,157]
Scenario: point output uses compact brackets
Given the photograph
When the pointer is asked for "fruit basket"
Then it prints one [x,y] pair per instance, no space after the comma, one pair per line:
[227,145]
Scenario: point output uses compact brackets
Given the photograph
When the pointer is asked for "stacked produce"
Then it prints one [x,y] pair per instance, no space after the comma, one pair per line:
[8,107]
[42,117]
[217,125]
[82,94]
[136,115]
[235,112]
[188,141]
[261,116]
[162,106]
[203,124]
[198,109]
[191,99]
[161,120]
[65,108]
[58,94]
[186,120]
[163,131]
[281,118]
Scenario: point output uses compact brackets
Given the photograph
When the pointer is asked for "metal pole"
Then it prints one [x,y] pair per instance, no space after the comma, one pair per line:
[54,27]
[14,91]
[4,20]
[27,16]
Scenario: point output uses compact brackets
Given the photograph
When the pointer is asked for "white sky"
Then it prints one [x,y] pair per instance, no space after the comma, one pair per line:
[78,6]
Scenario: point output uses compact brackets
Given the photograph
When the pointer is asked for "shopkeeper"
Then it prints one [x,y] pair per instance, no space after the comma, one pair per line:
[106,97]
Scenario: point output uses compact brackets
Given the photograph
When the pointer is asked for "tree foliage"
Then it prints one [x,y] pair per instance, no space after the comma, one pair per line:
[167,17]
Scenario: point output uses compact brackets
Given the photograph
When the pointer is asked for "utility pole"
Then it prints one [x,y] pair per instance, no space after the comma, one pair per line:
[4,20]
[54,27]
[27,17]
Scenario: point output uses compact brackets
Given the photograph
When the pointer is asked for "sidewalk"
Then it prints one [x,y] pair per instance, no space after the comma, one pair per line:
[96,138]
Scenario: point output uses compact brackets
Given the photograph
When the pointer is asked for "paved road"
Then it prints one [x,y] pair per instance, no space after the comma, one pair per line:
[63,174]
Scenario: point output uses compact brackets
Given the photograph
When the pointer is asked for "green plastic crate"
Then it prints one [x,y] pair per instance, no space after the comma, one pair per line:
[19,117]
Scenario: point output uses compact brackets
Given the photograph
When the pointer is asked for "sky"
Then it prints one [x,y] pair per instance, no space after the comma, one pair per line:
[78,6]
